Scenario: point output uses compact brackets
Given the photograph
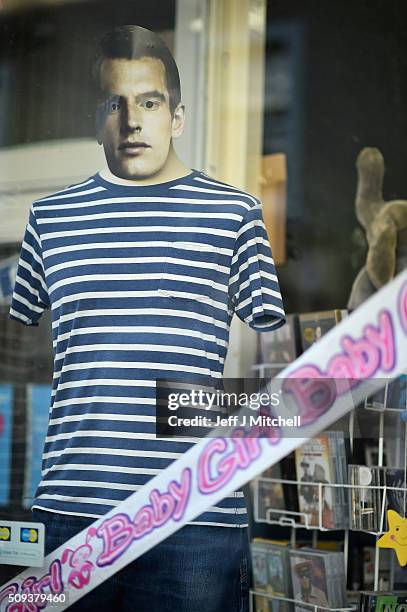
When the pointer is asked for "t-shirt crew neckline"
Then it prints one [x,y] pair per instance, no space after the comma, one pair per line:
[111,184]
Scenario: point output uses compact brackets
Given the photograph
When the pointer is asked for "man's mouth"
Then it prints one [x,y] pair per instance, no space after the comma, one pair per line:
[133,148]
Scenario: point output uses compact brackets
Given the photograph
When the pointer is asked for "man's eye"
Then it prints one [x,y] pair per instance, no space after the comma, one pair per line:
[113,107]
[150,104]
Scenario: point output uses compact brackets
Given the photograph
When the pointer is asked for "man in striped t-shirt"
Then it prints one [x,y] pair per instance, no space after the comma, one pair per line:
[143,266]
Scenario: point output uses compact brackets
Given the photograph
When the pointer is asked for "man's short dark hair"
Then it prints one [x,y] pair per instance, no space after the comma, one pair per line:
[135,42]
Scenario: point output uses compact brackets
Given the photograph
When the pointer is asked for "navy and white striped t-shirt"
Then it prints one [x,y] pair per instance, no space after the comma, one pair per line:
[142,282]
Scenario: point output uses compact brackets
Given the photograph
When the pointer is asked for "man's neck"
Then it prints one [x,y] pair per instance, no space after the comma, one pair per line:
[172,170]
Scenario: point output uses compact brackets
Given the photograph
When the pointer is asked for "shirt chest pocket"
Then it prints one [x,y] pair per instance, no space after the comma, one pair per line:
[192,271]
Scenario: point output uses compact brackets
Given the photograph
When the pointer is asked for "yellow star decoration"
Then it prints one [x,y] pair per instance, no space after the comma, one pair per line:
[396,536]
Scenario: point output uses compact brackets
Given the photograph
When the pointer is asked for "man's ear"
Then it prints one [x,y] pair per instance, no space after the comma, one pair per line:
[178,121]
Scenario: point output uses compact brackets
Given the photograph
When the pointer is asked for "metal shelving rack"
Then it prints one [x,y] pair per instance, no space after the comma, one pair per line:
[289,518]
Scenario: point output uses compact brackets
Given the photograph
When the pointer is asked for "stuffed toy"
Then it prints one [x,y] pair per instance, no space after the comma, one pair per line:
[385,224]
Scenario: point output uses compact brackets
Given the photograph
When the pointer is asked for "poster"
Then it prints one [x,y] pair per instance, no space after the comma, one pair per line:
[6,411]
[38,402]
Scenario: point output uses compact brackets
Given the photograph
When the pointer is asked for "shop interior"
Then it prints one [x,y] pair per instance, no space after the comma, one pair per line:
[303,104]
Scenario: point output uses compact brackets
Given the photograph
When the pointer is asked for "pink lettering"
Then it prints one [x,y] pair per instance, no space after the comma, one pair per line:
[181,493]
[260,430]
[163,506]
[213,476]
[251,443]
[117,535]
[275,438]
[81,574]
[144,522]
[81,577]
[315,391]
[57,586]
[40,585]
[25,607]
[31,582]
[313,394]
[51,581]
[12,589]
[118,532]
[241,451]
[340,366]
[383,338]
[364,356]
[253,447]
[402,304]
[208,483]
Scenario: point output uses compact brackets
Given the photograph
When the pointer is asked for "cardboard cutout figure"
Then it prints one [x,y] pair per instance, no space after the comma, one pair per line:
[142,266]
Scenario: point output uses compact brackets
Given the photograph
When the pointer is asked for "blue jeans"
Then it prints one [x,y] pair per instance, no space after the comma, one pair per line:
[197,569]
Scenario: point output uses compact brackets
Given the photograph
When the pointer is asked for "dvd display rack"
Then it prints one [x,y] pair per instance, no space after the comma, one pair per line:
[295,519]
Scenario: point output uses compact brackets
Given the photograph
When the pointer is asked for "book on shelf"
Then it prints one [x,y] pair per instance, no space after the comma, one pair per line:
[322,461]
[285,344]
[274,497]
[398,574]
[375,601]
[270,494]
[372,452]
[318,578]
[365,497]
[281,346]
[290,490]
[362,569]
[393,396]
[314,325]
[260,575]
[368,502]
[368,567]
[271,575]
[396,491]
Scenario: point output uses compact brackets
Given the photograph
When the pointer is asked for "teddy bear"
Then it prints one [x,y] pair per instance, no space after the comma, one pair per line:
[385,224]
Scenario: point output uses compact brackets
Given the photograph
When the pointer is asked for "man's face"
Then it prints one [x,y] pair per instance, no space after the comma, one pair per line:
[135,124]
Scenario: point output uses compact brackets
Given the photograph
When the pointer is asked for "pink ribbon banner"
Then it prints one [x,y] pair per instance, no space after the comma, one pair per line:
[351,362]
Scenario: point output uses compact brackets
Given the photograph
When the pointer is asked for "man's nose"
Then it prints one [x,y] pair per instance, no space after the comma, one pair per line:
[131,117]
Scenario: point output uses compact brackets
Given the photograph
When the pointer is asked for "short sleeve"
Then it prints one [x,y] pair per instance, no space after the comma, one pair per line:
[254,291]
[30,296]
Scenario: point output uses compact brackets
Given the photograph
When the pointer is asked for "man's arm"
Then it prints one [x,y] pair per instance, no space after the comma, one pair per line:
[254,290]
